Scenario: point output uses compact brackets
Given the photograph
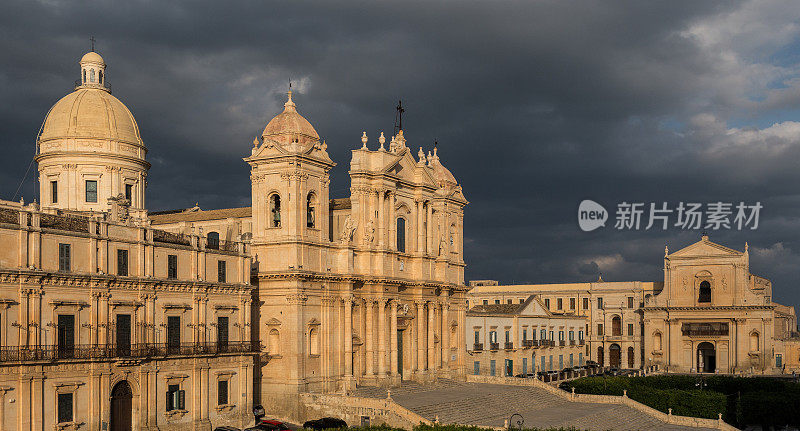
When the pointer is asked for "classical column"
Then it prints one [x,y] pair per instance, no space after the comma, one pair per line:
[431,329]
[382,338]
[429,229]
[420,232]
[393,338]
[445,337]
[348,336]
[421,363]
[381,218]
[392,222]
[370,305]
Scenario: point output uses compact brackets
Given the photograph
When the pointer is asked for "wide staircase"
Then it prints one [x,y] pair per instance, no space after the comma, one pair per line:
[490,405]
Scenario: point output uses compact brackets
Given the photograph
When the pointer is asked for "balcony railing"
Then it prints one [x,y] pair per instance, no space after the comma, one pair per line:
[509,345]
[111,351]
[528,343]
[561,343]
[494,346]
[477,347]
[571,342]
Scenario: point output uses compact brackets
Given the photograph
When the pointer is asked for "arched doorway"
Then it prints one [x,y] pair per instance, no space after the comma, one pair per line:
[706,358]
[615,355]
[121,405]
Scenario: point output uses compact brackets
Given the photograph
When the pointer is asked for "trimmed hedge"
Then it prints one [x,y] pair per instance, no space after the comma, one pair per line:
[741,400]
[450,428]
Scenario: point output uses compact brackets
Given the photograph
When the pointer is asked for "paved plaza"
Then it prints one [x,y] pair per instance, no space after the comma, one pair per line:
[490,405]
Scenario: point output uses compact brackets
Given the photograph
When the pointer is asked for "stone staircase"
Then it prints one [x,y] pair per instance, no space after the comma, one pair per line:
[491,404]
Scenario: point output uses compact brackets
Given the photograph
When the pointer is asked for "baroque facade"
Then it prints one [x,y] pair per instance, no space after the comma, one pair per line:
[106,322]
[709,315]
[361,290]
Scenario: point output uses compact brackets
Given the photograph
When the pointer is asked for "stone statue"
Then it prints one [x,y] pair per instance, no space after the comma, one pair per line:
[442,244]
[348,229]
[369,232]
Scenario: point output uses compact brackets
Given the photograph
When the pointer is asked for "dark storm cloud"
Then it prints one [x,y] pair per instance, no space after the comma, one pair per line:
[536,106]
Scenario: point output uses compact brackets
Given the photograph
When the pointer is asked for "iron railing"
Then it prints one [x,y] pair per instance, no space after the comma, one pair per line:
[477,347]
[494,346]
[112,351]
[528,343]
[509,345]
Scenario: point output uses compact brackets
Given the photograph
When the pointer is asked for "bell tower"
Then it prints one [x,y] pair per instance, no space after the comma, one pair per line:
[289,173]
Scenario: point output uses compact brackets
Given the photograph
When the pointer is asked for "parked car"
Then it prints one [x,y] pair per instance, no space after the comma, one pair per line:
[272,425]
[325,423]
[226,428]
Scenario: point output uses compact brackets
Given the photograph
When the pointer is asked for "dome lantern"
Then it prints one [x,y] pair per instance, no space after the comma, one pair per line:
[93,70]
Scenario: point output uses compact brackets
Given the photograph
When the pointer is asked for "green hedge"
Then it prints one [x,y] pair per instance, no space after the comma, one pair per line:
[741,400]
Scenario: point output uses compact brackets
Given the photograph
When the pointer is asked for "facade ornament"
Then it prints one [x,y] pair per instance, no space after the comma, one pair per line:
[430,159]
[348,230]
[364,140]
[382,140]
[421,156]
[255,142]
[369,232]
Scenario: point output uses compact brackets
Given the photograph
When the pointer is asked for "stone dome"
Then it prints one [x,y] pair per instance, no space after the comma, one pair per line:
[92,57]
[91,113]
[289,125]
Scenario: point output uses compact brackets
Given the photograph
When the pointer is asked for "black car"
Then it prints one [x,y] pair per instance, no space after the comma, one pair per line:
[325,423]
[226,429]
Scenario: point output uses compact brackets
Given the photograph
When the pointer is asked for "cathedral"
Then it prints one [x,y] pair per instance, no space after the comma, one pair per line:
[113,317]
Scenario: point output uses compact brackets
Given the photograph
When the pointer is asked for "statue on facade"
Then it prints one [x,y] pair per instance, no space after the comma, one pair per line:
[348,229]
[369,232]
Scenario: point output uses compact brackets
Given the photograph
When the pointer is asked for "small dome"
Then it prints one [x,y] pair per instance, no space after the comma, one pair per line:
[91,113]
[289,125]
[92,57]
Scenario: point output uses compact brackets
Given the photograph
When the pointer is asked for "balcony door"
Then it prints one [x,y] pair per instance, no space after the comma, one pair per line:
[222,333]
[173,334]
[123,335]
[66,335]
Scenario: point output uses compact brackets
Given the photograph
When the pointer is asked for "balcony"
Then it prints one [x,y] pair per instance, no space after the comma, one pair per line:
[561,343]
[494,346]
[528,343]
[509,345]
[571,342]
[477,347]
[111,351]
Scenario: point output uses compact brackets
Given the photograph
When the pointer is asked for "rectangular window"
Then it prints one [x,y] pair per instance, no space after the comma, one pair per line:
[550,363]
[560,362]
[547,303]
[91,191]
[485,302]
[571,360]
[508,336]
[524,334]
[128,192]
[600,329]
[64,257]
[533,334]
[476,370]
[222,392]
[510,301]
[493,336]
[524,366]
[543,363]
[53,192]
[122,262]
[172,266]
[543,334]
[65,408]
[222,332]
[580,359]
[580,335]
[630,328]
[496,301]
[585,303]
[173,333]
[560,335]
[599,303]
[560,303]
[630,302]
[477,337]
[571,335]
[571,303]
[123,335]
[221,275]
[176,398]
[509,368]
[779,361]
[66,335]
[551,335]
[492,367]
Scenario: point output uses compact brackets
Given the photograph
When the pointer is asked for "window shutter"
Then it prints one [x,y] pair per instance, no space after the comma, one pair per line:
[182,399]
[170,406]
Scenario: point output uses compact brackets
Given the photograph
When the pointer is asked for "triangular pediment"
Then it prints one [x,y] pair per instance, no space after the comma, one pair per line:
[705,248]
[533,306]
[406,168]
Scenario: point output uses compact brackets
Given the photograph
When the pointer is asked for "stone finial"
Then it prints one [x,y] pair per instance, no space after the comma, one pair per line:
[364,140]
[255,142]
[421,155]
[746,247]
[382,139]
[666,250]
[430,158]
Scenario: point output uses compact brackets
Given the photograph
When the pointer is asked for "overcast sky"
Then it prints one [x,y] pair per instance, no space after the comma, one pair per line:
[536,106]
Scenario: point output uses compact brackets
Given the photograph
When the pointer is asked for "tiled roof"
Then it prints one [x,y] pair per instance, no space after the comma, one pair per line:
[192,216]
[497,308]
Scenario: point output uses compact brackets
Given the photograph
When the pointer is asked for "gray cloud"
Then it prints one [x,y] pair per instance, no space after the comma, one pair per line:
[536,106]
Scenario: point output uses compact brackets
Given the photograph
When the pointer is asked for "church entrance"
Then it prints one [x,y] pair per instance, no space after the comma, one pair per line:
[615,355]
[706,358]
[400,353]
[121,405]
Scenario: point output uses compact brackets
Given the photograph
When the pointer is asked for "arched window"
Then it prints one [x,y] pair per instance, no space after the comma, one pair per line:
[84,76]
[755,346]
[313,341]
[274,342]
[616,326]
[401,234]
[91,75]
[212,240]
[275,210]
[657,341]
[704,294]
[310,204]
[100,76]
